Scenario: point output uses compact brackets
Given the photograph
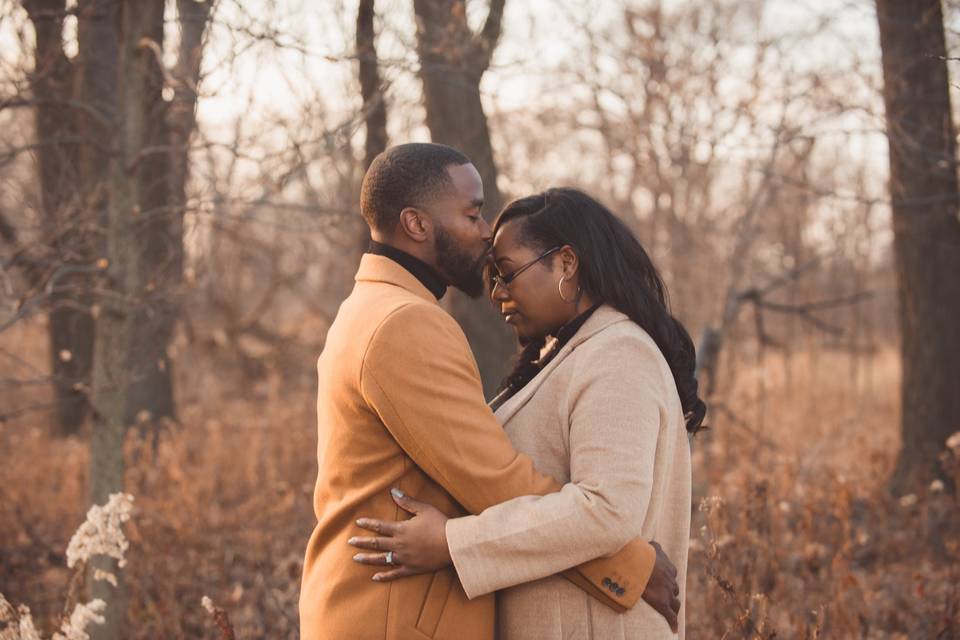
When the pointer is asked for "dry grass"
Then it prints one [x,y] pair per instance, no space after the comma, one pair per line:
[804,540]
[800,541]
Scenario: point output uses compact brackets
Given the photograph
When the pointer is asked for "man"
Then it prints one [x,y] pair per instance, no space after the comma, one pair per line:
[400,405]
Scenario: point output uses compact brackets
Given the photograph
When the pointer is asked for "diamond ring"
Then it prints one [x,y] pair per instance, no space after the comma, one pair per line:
[389,557]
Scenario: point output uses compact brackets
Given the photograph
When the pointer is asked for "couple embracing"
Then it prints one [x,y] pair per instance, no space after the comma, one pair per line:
[559,510]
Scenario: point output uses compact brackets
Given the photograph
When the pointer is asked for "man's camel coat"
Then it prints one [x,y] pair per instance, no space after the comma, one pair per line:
[400,404]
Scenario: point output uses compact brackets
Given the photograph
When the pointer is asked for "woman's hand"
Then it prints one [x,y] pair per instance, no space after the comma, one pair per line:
[417,545]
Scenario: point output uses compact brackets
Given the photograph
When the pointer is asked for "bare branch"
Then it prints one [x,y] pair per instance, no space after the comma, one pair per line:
[485,42]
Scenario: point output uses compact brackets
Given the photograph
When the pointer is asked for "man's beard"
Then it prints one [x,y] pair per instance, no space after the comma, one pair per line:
[464,271]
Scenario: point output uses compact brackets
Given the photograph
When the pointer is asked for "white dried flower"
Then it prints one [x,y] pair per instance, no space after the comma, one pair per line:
[27,630]
[102,533]
[953,442]
[936,486]
[104,576]
[207,604]
[711,503]
[83,616]
[10,625]
[908,500]
[7,612]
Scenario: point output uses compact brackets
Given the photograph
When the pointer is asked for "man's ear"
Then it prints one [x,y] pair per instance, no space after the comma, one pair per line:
[569,261]
[415,224]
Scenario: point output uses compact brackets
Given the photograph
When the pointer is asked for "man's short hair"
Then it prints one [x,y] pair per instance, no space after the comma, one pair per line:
[406,175]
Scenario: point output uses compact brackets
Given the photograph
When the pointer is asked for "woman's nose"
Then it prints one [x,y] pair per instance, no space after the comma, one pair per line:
[499,292]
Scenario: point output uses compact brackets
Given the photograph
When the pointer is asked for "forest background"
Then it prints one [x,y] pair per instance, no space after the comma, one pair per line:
[179,223]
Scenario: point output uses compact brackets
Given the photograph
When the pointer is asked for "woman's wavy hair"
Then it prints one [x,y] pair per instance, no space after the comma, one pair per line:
[615,270]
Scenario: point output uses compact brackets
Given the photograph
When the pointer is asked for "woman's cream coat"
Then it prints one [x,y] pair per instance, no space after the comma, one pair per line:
[605,416]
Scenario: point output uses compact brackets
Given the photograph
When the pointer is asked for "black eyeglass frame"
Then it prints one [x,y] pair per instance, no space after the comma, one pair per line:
[505,280]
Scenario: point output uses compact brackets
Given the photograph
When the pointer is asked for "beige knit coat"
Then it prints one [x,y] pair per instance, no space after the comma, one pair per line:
[604,415]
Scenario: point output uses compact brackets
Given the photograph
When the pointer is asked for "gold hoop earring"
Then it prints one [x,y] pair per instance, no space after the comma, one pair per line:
[560,289]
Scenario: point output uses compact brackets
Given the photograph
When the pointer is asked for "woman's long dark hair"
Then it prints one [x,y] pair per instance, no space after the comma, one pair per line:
[615,270]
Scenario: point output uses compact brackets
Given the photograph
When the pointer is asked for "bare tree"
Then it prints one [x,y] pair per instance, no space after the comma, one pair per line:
[164,170]
[128,208]
[372,90]
[453,60]
[69,241]
[371,86]
[923,188]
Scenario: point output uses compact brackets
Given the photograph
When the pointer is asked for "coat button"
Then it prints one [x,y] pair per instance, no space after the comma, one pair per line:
[607,582]
[621,591]
[614,586]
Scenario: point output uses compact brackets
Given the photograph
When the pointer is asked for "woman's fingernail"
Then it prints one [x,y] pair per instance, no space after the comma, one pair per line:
[376,578]
[357,557]
[361,522]
[352,541]
[396,493]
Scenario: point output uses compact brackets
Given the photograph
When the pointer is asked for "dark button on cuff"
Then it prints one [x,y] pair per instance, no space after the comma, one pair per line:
[621,591]
[607,582]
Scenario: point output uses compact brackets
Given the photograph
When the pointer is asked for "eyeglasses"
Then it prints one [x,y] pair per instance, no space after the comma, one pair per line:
[504,281]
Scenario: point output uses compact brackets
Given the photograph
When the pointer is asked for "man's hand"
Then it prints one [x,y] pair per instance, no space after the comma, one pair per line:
[417,545]
[663,592]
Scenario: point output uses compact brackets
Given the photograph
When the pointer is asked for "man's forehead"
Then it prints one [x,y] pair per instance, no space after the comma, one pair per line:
[466,180]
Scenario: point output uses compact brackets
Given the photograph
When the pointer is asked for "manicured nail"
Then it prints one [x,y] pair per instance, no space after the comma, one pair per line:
[352,541]
[396,493]
[357,557]
[361,522]
[376,578]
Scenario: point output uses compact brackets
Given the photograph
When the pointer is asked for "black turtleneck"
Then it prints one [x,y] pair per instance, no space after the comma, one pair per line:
[420,270]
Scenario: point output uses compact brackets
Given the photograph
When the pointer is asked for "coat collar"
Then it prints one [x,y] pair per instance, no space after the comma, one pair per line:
[374,268]
[604,317]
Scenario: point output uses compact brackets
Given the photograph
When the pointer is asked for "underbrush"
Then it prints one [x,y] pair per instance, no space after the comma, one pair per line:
[794,536]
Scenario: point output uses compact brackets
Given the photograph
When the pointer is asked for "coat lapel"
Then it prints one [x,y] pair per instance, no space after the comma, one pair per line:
[602,318]
[375,268]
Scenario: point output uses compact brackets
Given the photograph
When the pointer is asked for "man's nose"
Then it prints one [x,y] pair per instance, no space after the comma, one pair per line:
[485,231]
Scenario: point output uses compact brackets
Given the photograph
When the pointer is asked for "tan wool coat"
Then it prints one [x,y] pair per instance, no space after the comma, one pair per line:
[400,404]
[603,416]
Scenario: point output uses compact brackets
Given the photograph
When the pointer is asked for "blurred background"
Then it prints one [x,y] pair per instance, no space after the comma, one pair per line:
[179,186]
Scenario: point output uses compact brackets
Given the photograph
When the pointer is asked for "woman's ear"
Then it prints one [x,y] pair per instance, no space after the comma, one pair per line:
[569,261]
[415,224]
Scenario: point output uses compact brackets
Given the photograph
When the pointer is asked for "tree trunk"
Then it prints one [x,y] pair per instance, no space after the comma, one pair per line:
[163,177]
[136,199]
[158,225]
[374,107]
[923,190]
[66,225]
[452,62]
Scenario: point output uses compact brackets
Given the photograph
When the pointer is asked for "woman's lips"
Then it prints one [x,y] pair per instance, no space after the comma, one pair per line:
[509,317]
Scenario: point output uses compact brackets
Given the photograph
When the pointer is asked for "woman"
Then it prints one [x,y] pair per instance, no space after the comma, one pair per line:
[602,398]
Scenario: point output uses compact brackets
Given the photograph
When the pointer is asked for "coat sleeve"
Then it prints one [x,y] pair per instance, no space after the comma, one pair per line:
[616,409]
[420,377]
